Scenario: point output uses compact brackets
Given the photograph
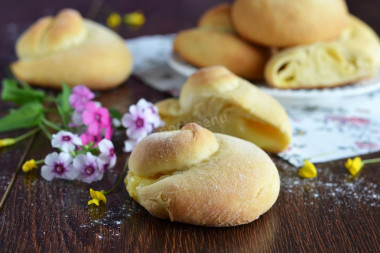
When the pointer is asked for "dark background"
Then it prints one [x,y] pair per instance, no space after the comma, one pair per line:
[331,213]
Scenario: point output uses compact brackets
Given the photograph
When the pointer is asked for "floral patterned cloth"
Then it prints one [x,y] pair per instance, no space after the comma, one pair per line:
[348,127]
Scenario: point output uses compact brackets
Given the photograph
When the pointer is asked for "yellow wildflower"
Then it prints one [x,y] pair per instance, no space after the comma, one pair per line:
[29,165]
[354,166]
[308,170]
[7,142]
[114,20]
[97,196]
[134,18]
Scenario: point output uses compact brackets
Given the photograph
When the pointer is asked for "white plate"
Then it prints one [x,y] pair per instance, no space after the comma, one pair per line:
[309,96]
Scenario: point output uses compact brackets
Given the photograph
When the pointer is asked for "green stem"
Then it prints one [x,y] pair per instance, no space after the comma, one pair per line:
[40,161]
[119,180]
[63,116]
[24,85]
[51,125]
[24,136]
[43,128]
[369,161]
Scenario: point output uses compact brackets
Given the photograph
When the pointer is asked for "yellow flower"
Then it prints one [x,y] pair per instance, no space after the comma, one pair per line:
[29,165]
[308,170]
[97,196]
[134,18]
[354,166]
[7,142]
[114,20]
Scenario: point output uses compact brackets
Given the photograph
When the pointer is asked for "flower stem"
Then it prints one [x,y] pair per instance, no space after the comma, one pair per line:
[43,128]
[63,116]
[24,85]
[51,124]
[26,135]
[369,161]
[40,161]
[119,180]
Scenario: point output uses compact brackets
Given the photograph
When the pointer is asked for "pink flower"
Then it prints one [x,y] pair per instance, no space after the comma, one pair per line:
[87,138]
[107,153]
[141,120]
[152,110]
[137,122]
[87,168]
[58,166]
[96,118]
[80,96]
[66,141]
[108,133]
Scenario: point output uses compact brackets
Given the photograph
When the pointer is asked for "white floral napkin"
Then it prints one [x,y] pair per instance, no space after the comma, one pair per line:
[348,127]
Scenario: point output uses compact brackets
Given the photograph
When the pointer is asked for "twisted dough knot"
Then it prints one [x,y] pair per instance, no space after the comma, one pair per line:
[198,177]
[51,34]
[173,151]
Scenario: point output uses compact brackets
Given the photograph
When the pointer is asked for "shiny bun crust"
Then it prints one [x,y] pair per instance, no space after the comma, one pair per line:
[217,180]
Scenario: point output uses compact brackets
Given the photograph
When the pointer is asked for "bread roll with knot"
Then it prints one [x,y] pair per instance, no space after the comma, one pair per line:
[68,48]
[197,177]
[224,103]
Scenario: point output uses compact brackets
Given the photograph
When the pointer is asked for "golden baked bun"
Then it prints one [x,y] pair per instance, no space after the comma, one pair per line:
[362,38]
[281,23]
[68,48]
[204,48]
[218,18]
[197,177]
[217,99]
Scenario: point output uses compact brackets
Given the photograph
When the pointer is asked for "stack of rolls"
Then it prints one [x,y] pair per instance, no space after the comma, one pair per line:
[294,44]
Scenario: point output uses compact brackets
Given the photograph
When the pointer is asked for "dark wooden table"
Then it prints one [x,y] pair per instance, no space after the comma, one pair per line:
[332,213]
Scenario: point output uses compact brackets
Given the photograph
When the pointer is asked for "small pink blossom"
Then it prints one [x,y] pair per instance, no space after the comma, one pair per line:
[58,166]
[87,138]
[137,122]
[96,118]
[152,110]
[87,168]
[80,96]
[108,133]
[66,141]
[107,153]
[141,120]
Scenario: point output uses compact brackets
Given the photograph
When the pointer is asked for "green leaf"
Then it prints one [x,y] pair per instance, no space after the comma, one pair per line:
[28,115]
[115,113]
[20,95]
[63,98]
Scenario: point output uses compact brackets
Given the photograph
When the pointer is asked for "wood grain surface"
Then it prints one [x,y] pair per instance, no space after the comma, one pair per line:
[332,213]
